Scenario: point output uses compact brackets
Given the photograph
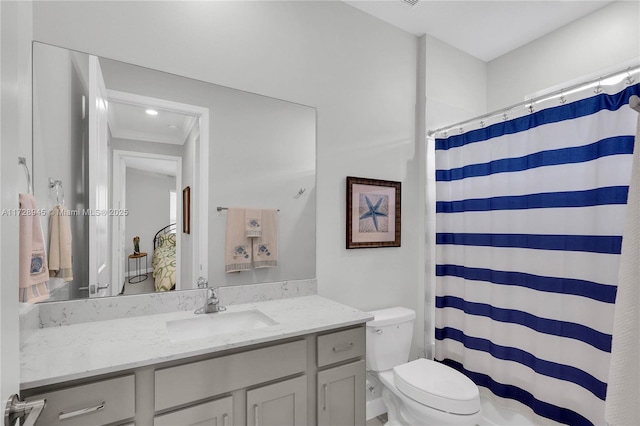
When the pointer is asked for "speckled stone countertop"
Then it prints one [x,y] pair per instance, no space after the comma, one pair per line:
[58,354]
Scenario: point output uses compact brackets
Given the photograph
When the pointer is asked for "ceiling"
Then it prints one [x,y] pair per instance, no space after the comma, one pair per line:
[484,29]
[132,122]
[128,121]
[153,165]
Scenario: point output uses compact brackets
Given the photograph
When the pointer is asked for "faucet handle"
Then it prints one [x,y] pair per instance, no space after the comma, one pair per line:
[202,282]
[212,293]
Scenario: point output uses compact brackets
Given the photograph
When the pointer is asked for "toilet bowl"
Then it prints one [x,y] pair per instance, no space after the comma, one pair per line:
[421,392]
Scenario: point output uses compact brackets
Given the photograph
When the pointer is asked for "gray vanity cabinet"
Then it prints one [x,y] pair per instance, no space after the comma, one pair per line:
[282,403]
[306,380]
[341,397]
[340,387]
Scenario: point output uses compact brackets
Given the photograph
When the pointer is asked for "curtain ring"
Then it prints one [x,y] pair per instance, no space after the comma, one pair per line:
[531,109]
[598,88]
[505,117]
[481,123]
[629,79]
[562,99]
[461,130]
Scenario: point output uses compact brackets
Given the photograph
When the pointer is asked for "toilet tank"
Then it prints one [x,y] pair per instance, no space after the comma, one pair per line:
[389,337]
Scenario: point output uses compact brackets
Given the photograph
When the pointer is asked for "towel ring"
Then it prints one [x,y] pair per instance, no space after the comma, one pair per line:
[23,161]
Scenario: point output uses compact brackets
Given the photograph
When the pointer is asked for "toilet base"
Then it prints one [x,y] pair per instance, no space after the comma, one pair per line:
[403,411]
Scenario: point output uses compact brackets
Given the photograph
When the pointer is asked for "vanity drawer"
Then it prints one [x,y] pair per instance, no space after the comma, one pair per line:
[218,412]
[186,383]
[340,346]
[95,403]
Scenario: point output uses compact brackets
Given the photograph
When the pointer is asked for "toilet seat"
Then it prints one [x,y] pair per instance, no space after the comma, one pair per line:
[437,386]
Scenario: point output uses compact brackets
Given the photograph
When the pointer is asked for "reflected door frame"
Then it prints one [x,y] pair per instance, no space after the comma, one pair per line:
[118,238]
[200,196]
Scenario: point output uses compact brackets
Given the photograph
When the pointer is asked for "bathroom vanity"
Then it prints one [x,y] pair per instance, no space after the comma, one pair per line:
[305,366]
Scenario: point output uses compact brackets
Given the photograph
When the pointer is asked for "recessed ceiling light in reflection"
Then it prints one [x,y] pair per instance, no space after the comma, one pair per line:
[151,112]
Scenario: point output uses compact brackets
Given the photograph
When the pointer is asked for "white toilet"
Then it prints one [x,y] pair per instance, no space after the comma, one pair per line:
[420,392]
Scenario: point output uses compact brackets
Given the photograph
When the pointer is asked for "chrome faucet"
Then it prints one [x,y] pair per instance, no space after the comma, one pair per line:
[211,304]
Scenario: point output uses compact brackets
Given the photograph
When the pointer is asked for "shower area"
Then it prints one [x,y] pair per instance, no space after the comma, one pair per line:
[531,204]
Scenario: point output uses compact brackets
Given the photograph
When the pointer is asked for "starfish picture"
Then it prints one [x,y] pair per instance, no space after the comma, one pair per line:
[373,211]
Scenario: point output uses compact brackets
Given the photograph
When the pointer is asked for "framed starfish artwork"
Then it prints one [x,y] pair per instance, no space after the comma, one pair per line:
[373,213]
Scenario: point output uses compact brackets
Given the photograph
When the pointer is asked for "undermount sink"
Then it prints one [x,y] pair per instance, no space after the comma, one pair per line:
[207,325]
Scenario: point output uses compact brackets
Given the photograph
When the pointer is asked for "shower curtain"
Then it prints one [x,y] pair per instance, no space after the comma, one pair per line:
[530,216]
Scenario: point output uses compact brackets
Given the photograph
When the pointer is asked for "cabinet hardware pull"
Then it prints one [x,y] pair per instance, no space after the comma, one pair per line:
[256,413]
[64,416]
[343,347]
[325,389]
[224,419]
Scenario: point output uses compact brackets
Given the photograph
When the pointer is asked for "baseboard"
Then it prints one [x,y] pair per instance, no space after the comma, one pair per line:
[142,271]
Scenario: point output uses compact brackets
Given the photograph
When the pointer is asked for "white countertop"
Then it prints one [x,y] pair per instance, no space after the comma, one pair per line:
[58,354]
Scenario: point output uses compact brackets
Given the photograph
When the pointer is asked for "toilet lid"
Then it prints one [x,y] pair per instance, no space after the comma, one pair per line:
[437,386]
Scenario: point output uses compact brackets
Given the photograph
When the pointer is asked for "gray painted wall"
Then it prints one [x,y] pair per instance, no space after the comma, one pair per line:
[148,205]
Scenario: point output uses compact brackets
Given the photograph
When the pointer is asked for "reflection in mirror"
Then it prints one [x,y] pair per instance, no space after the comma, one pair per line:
[123,142]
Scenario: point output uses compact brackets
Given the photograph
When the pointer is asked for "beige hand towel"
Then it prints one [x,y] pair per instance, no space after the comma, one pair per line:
[265,247]
[237,255]
[60,257]
[253,222]
[33,275]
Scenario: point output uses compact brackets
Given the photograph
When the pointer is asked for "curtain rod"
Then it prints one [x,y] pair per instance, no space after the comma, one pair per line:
[530,102]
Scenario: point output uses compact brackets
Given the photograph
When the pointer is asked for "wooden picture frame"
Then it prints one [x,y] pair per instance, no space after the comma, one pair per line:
[373,213]
[186,210]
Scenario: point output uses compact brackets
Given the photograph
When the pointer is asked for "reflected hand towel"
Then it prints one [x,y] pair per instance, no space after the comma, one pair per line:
[33,275]
[60,257]
[253,223]
[265,248]
[237,254]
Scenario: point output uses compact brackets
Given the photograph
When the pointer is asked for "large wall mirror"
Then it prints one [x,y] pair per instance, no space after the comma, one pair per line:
[145,164]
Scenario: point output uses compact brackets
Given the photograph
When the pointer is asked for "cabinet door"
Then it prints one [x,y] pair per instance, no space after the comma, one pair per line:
[214,413]
[341,397]
[282,403]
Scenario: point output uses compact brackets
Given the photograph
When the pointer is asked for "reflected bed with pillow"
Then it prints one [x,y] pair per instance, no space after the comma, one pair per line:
[164,258]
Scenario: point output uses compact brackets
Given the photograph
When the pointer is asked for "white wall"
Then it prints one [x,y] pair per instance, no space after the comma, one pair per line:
[455,86]
[148,205]
[358,72]
[189,272]
[599,41]
[59,140]
[15,140]
[261,152]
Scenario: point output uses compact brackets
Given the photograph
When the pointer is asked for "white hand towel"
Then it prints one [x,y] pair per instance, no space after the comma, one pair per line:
[60,257]
[265,247]
[623,390]
[237,254]
[33,275]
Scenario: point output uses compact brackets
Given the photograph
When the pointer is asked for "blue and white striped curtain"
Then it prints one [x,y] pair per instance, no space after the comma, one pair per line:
[530,215]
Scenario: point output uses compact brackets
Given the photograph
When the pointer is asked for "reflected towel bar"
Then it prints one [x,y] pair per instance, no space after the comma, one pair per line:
[227,208]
